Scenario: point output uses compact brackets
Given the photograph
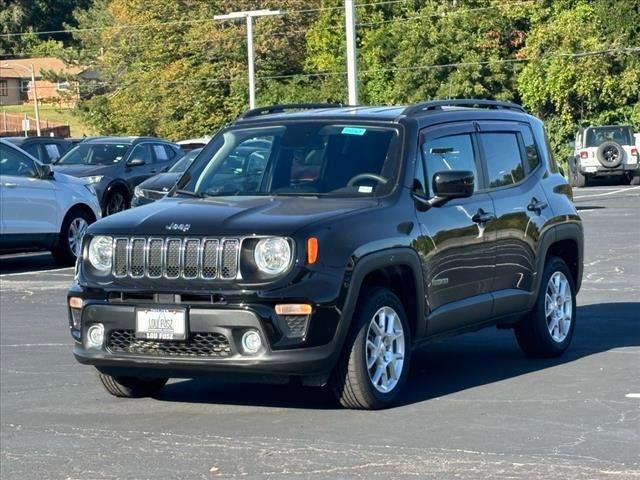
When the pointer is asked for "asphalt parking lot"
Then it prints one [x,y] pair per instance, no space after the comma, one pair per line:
[475,407]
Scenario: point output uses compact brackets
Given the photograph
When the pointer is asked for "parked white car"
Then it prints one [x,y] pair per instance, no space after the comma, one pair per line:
[40,209]
[609,150]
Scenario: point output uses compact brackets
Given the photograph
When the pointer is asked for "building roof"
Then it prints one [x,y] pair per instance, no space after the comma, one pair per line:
[13,68]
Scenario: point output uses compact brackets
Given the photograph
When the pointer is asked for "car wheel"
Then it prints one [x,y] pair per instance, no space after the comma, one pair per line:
[576,178]
[635,180]
[547,331]
[131,387]
[69,242]
[375,361]
[116,202]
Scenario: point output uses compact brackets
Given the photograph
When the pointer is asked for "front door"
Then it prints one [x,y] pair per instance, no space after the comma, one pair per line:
[457,254]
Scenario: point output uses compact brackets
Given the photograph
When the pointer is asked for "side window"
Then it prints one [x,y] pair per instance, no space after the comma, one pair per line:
[15,164]
[503,160]
[419,178]
[32,149]
[530,150]
[454,152]
[142,152]
[53,151]
[161,153]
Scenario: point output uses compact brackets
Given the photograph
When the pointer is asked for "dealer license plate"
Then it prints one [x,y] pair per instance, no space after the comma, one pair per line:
[161,323]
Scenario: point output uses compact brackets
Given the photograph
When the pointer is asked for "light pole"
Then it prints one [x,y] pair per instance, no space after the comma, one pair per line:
[352,67]
[35,91]
[248,15]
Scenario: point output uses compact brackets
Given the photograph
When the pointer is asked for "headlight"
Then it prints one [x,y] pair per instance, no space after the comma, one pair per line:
[93,178]
[272,255]
[138,192]
[100,251]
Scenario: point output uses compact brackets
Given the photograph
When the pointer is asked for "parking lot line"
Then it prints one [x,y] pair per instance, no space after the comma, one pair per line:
[632,395]
[620,190]
[37,272]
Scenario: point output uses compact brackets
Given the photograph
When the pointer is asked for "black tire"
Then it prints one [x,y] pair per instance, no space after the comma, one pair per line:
[532,333]
[610,154]
[65,252]
[635,180]
[576,178]
[116,201]
[131,387]
[351,381]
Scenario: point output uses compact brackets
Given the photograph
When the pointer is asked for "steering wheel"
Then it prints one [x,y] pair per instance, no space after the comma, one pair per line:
[372,176]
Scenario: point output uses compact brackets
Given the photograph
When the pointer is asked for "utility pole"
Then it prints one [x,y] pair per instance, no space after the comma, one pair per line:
[352,67]
[249,15]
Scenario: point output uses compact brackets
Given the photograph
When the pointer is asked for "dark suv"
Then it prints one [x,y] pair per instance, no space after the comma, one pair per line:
[358,234]
[115,165]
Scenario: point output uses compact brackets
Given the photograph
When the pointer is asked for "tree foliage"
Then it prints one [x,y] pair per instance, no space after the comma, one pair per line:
[168,68]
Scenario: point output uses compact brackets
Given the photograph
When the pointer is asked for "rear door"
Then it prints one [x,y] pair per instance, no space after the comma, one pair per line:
[139,173]
[511,164]
[28,203]
[455,246]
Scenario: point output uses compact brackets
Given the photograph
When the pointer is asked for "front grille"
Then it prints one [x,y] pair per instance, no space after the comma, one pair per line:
[199,344]
[174,258]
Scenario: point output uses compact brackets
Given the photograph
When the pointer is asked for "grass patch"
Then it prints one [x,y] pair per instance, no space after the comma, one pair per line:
[54,114]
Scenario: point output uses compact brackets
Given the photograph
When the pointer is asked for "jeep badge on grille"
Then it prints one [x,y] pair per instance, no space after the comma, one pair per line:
[183,227]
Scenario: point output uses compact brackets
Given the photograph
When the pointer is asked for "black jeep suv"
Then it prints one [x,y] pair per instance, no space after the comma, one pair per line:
[354,235]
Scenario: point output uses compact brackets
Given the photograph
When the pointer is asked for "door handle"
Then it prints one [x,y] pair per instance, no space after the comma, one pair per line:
[483,217]
[10,185]
[537,205]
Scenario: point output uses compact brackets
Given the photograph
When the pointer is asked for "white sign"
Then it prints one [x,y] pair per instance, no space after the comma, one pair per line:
[26,125]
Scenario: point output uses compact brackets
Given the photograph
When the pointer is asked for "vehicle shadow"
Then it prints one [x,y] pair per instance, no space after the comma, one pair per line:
[27,262]
[439,368]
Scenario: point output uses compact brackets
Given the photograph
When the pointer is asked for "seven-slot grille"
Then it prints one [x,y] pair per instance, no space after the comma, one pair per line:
[174,258]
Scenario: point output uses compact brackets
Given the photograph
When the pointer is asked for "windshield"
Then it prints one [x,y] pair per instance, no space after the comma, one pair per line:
[311,158]
[94,154]
[184,163]
[620,135]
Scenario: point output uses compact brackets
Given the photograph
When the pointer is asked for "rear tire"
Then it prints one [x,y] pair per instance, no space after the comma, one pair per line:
[131,387]
[374,364]
[69,241]
[576,178]
[635,180]
[547,331]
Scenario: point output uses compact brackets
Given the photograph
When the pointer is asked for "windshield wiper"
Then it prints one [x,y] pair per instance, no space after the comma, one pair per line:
[189,193]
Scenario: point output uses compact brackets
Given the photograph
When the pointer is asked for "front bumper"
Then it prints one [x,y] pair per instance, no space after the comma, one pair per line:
[311,355]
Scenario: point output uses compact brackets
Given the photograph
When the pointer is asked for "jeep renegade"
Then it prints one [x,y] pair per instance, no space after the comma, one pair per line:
[343,239]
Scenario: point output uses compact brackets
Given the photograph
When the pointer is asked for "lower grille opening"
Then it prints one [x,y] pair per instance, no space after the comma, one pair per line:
[199,344]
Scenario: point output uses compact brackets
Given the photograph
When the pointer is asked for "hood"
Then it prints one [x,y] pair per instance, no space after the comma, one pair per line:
[64,178]
[82,170]
[218,216]
[161,182]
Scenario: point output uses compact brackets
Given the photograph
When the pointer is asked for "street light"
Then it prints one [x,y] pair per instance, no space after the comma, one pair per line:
[248,15]
[35,91]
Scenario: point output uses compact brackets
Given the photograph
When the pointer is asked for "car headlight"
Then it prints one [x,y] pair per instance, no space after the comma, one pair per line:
[138,192]
[272,255]
[100,252]
[93,178]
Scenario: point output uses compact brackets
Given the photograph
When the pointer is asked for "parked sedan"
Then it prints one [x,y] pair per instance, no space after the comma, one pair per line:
[45,149]
[41,209]
[115,165]
[157,187]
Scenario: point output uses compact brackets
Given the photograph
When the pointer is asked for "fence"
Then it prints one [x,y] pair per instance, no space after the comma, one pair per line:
[11,126]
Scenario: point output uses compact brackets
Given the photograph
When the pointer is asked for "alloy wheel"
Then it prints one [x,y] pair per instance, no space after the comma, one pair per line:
[385,349]
[77,229]
[116,204]
[558,307]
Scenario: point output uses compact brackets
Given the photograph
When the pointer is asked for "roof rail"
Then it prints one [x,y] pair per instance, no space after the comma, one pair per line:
[422,107]
[256,112]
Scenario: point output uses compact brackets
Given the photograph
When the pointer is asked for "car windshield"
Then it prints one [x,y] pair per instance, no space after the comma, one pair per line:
[310,158]
[598,135]
[94,154]
[184,163]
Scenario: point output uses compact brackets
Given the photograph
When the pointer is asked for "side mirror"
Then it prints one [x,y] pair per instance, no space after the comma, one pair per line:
[135,162]
[453,184]
[45,172]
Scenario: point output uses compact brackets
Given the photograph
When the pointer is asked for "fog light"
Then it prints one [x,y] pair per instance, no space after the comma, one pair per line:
[251,342]
[95,336]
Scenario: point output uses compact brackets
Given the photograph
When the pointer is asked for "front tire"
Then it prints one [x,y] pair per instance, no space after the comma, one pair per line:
[374,364]
[547,331]
[131,387]
[117,201]
[69,242]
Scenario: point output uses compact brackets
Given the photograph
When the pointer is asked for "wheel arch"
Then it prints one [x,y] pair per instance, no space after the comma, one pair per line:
[83,207]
